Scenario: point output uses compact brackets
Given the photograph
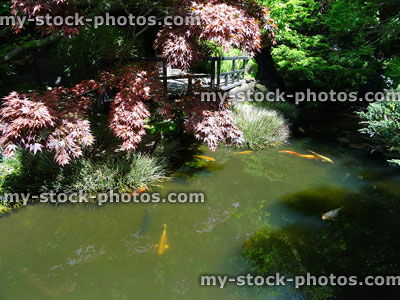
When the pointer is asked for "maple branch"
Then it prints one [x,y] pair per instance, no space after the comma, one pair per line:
[31,46]
[55,37]
[141,31]
[150,9]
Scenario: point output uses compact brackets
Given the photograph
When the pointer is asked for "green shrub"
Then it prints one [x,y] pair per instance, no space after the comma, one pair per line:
[382,121]
[251,68]
[101,168]
[323,45]
[82,62]
[261,127]
[7,168]
[392,72]
[226,65]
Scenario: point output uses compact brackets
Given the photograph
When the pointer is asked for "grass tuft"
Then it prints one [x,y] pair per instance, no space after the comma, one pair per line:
[123,174]
[261,127]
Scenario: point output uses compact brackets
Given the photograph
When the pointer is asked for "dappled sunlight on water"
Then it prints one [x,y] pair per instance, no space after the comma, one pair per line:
[90,252]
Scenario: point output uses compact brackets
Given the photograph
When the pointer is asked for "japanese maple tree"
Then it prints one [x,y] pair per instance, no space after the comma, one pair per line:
[227,23]
[54,120]
[57,119]
[41,8]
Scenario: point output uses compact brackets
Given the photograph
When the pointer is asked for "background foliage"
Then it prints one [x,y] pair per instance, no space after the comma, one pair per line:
[340,44]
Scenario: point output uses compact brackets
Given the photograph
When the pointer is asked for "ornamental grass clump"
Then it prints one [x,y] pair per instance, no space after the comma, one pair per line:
[261,127]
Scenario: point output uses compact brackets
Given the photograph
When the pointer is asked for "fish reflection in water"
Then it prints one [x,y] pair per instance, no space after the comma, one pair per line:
[321,157]
[46,288]
[244,153]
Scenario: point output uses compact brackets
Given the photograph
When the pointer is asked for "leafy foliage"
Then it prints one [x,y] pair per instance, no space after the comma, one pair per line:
[41,8]
[129,113]
[211,122]
[382,121]
[328,44]
[118,172]
[55,120]
[392,72]
[4,8]
[59,121]
[85,62]
[226,23]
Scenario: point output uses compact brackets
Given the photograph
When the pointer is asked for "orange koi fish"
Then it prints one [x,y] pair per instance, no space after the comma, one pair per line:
[162,246]
[321,157]
[140,190]
[205,157]
[301,155]
[288,152]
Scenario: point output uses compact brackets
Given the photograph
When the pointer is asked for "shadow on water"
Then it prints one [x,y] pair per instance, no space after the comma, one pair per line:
[362,241]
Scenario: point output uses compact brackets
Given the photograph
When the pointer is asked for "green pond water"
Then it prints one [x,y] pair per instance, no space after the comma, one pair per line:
[91,252]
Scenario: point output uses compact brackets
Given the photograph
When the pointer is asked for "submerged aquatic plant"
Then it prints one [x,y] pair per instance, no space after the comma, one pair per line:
[261,127]
[352,244]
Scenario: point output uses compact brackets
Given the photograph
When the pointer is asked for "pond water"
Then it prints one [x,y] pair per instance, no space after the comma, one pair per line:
[91,252]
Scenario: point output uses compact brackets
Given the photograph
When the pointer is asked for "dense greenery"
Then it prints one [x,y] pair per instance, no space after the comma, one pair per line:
[226,66]
[340,45]
[382,122]
[104,42]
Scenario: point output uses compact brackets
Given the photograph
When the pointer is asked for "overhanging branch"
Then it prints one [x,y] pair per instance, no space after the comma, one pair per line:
[31,46]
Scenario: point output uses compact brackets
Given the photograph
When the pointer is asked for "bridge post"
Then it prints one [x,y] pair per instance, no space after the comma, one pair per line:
[213,72]
[165,76]
[233,70]
[219,71]
[244,68]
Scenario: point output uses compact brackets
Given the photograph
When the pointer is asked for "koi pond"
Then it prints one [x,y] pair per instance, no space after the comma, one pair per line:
[92,252]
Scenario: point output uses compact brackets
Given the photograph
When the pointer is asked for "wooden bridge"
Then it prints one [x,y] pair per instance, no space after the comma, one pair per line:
[177,82]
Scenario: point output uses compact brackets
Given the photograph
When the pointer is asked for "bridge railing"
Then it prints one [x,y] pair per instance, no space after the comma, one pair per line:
[216,77]
[231,78]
